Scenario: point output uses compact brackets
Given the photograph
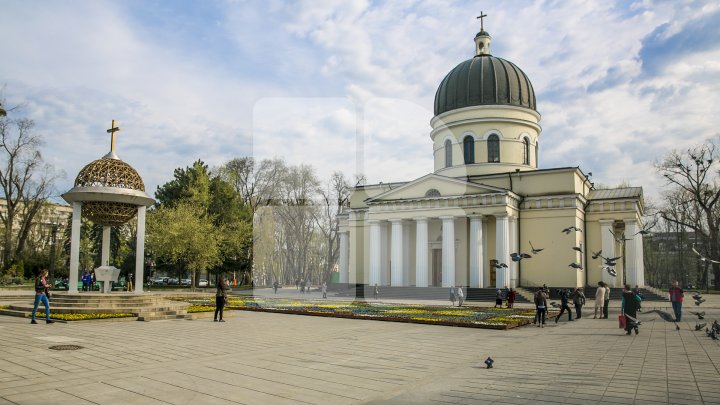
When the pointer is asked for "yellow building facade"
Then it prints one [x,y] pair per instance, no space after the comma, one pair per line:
[487,199]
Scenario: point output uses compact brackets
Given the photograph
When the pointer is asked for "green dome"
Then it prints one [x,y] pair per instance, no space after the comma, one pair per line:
[484,80]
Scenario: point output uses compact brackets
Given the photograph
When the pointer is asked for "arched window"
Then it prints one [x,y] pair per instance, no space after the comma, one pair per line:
[493,145]
[448,153]
[526,151]
[469,149]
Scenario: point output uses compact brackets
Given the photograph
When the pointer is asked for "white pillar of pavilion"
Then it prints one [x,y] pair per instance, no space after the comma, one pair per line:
[396,254]
[344,265]
[140,250]
[421,252]
[74,247]
[448,251]
[608,248]
[477,258]
[502,249]
[105,255]
[375,240]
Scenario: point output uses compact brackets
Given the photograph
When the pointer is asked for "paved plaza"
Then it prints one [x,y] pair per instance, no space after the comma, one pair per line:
[264,358]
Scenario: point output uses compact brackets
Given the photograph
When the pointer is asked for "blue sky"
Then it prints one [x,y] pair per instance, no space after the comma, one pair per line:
[618,84]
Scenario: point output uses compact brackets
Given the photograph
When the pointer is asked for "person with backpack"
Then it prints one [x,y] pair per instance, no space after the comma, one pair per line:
[42,290]
[540,299]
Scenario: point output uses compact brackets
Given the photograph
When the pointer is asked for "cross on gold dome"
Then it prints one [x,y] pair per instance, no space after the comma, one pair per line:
[113,128]
[481,16]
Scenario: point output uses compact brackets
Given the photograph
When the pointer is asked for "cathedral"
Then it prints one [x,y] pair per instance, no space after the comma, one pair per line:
[487,216]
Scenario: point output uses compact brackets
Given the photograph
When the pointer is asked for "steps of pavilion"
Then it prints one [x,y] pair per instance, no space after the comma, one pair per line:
[144,307]
[421,293]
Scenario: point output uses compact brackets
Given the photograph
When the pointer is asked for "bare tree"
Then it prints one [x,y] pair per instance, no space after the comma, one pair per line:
[692,202]
[26,181]
[333,199]
[258,184]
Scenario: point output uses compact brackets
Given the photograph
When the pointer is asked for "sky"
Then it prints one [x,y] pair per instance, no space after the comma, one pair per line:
[349,85]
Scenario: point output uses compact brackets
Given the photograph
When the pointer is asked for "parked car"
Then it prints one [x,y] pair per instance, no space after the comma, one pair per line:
[174,281]
[185,281]
[203,283]
[158,281]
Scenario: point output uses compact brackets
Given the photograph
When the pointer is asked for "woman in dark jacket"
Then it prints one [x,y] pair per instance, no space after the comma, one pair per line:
[629,307]
[220,298]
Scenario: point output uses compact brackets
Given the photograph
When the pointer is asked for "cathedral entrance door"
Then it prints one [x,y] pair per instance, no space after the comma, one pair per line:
[437,267]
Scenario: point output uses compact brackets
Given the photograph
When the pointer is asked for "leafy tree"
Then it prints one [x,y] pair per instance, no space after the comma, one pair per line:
[184,234]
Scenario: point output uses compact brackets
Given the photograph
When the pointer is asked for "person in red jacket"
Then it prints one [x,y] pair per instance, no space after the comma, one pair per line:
[676,297]
[511,297]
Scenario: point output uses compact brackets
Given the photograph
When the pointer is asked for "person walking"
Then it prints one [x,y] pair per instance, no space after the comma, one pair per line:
[376,291]
[511,297]
[628,309]
[275,286]
[220,299]
[599,300]
[42,289]
[324,289]
[452,296]
[606,304]
[540,307]
[129,282]
[676,298]
[578,298]
[460,296]
[498,298]
[506,296]
[564,299]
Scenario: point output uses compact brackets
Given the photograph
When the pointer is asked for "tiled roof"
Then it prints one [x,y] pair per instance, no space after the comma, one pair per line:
[615,193]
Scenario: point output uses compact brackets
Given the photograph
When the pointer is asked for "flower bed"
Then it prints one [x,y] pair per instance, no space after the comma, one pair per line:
[473,317]
[82,317]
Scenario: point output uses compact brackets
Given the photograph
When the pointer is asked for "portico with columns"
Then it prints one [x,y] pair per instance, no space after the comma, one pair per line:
[487,198]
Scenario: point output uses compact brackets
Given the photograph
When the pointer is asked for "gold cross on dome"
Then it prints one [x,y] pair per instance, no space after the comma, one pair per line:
[113,128]
[481,16]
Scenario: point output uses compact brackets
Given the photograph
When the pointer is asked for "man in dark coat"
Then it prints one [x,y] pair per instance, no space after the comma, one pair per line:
[564,298]
[629,306]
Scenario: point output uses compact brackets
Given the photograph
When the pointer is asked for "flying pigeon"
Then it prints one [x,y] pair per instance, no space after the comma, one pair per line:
[700,301]
[666,317]
[516,257]
[697,295]
[643,232]
[499,265]
[597,254]
[699,326]
[489,362]
[535,251]
[620,238]
[611,261]
[577,249]
[555,305]
[703,258]
[576,266]
[700,315]
[570,229]
[611,270]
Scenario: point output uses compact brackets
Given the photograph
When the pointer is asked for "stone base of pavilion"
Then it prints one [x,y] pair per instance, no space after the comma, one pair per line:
[145,307]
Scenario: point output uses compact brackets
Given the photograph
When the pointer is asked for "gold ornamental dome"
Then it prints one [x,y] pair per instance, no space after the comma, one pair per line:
[109,189]
[109,171]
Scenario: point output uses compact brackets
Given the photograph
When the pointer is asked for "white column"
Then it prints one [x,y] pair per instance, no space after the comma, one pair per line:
[514,247]
[502,249]
[448,251]
[640,256]
[396,255]
[344,264]
[608,249]
[384,256]
[140,251]
[375,240]
[485,270]
[631,252]
[421,252]
[105,256]
[476,252]
[74,247]
[406,254]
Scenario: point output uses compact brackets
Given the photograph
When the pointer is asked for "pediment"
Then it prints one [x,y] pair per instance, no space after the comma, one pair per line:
[435,186]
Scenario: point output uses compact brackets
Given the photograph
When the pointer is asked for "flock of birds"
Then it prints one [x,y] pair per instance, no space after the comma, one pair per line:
[608,265]
[712,332]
